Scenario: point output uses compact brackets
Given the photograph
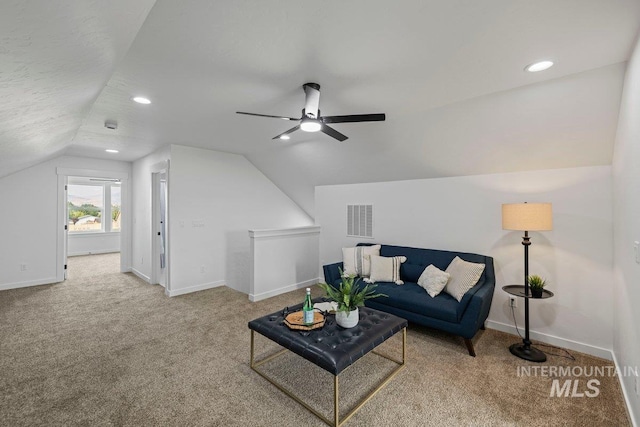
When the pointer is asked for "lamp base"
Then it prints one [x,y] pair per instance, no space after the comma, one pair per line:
[529,353]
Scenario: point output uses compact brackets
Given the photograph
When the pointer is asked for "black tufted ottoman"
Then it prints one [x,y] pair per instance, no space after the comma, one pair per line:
[332,348]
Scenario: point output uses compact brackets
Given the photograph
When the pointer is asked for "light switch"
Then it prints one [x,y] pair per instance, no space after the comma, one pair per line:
[636,250]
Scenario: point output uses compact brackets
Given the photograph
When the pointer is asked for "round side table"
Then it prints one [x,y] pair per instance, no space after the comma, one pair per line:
[525,350]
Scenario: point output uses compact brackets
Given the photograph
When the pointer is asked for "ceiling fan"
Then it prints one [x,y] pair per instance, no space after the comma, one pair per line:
[312,121]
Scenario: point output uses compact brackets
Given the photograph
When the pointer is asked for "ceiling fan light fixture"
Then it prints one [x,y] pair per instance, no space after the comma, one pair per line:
[310,125]
[538,66]
[313,121]
[141,100]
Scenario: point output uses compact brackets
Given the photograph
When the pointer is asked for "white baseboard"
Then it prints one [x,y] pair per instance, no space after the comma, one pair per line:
[202,287]
[106,251]
[28,283]
[603,353]
[141,275]
[627,400]
[284,289]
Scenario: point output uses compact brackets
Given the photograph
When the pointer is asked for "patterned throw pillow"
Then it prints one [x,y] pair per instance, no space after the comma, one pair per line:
[433,280]
[464,276]
[386,269]
[355,261]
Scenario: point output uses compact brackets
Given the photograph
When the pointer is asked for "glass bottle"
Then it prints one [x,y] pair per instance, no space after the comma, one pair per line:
[307,309]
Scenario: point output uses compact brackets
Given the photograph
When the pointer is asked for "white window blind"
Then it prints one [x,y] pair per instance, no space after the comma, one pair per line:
[360,221]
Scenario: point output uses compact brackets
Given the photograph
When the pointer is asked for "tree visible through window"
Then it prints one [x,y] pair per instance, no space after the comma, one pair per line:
[116,202]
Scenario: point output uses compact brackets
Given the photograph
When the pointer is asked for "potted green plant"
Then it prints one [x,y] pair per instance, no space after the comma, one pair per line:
[536,285]
[349,296]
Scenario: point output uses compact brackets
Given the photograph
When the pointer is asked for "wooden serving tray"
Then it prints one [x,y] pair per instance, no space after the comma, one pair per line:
[294,321]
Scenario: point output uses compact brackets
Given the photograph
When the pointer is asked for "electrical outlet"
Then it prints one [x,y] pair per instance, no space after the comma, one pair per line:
[23,267]
[142,260]
[202,269]
[513,302]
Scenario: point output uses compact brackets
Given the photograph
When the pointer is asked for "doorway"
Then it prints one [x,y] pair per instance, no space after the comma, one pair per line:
[93,216]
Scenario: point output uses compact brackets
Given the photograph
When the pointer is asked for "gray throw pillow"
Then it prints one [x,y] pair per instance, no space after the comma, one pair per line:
[433,280]
[464,276]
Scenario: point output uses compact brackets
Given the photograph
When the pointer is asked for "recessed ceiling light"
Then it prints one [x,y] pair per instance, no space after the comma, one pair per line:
[141,100]
[285,137]
[538,66]
[109,150]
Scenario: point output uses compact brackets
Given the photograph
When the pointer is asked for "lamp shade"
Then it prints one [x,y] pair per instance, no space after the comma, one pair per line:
[527,216]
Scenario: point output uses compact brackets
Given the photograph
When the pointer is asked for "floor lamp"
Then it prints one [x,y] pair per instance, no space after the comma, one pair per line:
[527,217]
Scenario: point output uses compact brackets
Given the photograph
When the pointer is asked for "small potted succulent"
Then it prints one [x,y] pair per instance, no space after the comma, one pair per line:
[536,285]
[349,296]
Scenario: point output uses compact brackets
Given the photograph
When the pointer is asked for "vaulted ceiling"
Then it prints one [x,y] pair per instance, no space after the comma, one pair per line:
[448,74]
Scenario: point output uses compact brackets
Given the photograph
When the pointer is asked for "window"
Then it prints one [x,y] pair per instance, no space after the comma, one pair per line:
[86,207]
[93,207]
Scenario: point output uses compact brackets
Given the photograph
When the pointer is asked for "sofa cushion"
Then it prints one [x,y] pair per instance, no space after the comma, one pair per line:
[411,297]
[356,262]
[433,280]
[464,276]
[386,269]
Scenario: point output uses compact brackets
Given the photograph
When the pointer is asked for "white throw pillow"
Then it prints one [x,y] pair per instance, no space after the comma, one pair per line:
[464,276]
[386,269]
[433,280]
[355,261]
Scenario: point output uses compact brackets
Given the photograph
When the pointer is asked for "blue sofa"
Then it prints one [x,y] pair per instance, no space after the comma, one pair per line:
[413,303]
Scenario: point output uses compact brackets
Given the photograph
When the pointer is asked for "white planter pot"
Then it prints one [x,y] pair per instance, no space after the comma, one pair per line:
[347,319]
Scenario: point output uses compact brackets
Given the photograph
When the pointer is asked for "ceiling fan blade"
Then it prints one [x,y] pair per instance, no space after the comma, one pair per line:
[333,133]
[287,132]
[266,115]
[378,117]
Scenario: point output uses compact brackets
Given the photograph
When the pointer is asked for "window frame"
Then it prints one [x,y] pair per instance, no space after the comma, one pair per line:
[106,220]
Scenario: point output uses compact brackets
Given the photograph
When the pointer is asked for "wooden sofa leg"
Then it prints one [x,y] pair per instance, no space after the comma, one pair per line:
[470,348]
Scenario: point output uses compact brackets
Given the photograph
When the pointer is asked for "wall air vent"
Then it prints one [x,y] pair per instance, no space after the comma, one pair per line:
[360,221]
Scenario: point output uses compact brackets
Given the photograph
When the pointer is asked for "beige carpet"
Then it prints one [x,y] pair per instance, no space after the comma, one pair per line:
[104,348]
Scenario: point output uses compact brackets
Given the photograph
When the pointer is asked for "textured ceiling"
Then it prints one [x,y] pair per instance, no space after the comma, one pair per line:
[55,58]
[448,74]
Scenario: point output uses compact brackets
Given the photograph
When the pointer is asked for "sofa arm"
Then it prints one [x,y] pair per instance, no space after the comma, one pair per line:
[332,272]
[478,310]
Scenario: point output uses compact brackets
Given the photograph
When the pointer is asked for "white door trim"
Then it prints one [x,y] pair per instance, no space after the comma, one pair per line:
[156,169]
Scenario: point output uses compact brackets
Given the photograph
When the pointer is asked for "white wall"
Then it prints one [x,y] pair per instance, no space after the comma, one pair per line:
[464,214]
[214,199]
[93,243]
[626,207]
[29,218]
[141,249]
[283,260]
